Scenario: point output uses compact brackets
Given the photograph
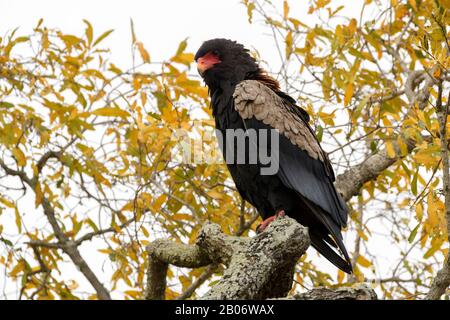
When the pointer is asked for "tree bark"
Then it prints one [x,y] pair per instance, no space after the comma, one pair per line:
[257,268]
[261,267]
[362,292]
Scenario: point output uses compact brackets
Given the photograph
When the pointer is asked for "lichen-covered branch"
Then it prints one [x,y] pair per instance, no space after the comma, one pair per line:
[262,267]
[161,253]
[362,292]
[257,268]
[178,254]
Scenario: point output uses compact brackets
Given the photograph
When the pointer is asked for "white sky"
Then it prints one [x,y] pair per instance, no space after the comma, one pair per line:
[160,25]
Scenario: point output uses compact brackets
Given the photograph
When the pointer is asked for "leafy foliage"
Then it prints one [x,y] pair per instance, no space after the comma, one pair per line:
[87,147]
[360,78]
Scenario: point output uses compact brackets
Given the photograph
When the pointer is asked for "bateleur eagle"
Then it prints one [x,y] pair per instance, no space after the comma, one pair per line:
[244,97]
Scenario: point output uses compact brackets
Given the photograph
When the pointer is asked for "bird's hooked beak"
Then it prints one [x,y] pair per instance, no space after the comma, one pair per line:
[207,62]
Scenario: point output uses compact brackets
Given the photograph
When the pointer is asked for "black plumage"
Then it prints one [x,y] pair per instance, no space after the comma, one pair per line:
[303,185]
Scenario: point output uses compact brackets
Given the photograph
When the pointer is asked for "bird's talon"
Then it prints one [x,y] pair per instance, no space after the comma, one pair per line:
[260,228]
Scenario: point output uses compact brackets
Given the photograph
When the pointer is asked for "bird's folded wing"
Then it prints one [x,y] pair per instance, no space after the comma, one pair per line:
[254,99]
[304,166]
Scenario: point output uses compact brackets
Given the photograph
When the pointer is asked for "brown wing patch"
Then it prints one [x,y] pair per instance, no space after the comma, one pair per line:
[254,99]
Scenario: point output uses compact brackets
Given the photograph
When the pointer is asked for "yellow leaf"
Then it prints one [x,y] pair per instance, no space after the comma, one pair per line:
[403,146]
[413,4]
[437,73]
[363,262]
[340,276]
[322,3]
[390,149]
[136,84]
[426,156]
[435,205]
[7,203]
[89,31]
[20,266]
[144,54]
[18,220]
[327,118]
[159,202]
[289,42]
[250,7]
[348,94]
[38,195]
[134,294]
[215,194]
[111,112]
[285,9]
[102,37]
[145,232]
[362,235]
[105,251]
[19,156]
[181,216]
[352,26]
[184,58]
[143,98]
[419,211]
[128,207]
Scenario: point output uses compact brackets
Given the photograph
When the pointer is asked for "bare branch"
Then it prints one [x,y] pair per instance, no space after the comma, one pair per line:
[198,282]
[351,181]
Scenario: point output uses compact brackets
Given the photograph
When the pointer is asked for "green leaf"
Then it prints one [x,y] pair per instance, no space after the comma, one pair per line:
[413,234]
[6,241]
[414,183]
[319,133]
[133,35]
[4,104]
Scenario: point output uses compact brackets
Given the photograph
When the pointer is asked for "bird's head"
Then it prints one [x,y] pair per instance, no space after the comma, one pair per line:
[224,60]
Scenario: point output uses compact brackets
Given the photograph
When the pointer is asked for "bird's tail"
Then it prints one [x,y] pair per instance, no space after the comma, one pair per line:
[322,244]
[326,238]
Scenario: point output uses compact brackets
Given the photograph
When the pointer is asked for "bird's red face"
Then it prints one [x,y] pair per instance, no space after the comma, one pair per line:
[207,62]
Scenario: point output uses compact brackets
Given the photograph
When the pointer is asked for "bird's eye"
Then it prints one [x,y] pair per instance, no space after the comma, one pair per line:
[216,52]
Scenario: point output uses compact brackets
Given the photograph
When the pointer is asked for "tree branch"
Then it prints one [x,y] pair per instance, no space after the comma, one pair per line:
[161,253]
[258,268]
[442,280]
[351,181]
[346,293]
[261,267]
[68,246]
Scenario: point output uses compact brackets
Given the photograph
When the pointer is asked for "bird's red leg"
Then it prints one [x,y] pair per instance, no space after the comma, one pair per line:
[265,223]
